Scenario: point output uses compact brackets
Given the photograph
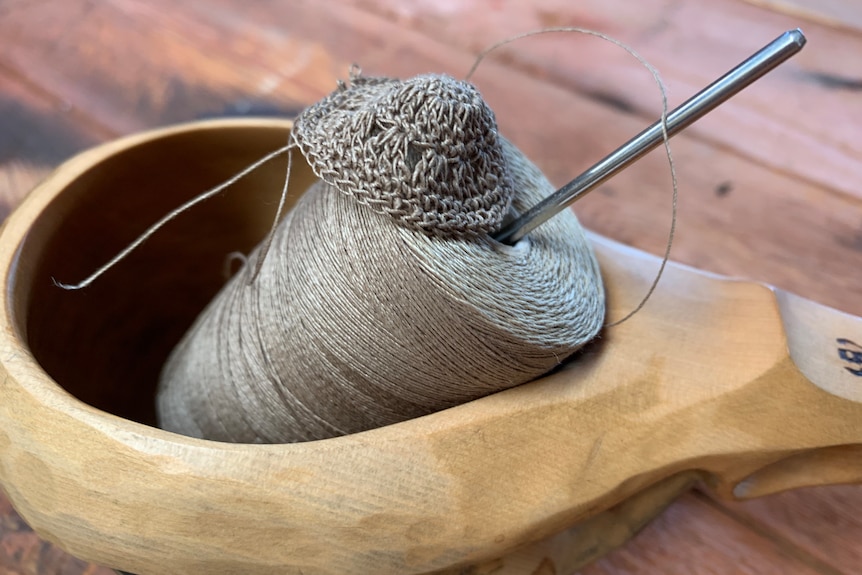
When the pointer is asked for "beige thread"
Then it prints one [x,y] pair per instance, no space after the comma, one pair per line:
[382,297]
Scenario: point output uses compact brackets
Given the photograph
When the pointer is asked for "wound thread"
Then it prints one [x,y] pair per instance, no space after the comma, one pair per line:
[382,297]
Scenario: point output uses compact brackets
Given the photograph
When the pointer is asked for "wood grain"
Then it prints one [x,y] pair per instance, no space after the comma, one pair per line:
[824,522]
[38,133]
[835,13]
[716,539]
[768,185]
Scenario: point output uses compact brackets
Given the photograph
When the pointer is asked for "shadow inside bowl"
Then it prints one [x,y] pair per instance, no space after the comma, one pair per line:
[105,344]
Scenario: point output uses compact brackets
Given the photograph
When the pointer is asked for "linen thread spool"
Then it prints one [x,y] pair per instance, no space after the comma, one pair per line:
[383,296]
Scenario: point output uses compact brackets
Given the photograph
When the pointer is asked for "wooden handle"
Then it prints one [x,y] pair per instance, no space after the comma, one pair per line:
[766,385]
[819,343]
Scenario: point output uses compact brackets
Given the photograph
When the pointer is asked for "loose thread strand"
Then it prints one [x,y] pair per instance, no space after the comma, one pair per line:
[264,250]
[665,136]
[170,216]
[670,238]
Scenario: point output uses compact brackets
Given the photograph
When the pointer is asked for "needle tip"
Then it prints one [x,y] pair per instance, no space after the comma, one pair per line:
[797,37]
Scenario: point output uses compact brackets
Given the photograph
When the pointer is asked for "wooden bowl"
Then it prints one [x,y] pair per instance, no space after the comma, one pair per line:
[82,463]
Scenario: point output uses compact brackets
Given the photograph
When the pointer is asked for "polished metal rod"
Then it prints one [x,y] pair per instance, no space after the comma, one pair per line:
[686,114]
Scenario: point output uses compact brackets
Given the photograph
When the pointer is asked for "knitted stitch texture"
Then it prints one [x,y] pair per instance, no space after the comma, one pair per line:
[424,151]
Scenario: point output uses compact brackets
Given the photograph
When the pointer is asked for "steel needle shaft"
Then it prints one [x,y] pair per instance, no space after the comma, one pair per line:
[680,118]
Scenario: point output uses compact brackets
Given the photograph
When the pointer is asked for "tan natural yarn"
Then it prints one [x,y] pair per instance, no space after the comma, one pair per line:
[383,296]
[424,151]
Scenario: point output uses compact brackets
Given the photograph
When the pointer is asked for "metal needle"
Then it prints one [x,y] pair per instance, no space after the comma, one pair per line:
[680,118]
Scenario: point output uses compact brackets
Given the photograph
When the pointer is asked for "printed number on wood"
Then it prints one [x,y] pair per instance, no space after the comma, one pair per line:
[851,354]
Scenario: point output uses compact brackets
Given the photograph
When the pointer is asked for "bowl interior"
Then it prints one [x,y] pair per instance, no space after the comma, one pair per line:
[105,344]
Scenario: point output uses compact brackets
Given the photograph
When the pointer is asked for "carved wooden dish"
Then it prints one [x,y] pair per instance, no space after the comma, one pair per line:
[751,390]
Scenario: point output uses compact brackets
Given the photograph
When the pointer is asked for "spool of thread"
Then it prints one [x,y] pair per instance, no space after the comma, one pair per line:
[383,296]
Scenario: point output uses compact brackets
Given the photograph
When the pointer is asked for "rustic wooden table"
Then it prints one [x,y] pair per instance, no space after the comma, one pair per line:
[770,183]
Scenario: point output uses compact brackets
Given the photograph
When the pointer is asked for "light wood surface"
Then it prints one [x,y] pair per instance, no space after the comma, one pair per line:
[770,182]
[653,398]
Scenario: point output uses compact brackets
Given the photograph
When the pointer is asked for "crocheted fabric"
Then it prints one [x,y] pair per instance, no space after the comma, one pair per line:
[424,151]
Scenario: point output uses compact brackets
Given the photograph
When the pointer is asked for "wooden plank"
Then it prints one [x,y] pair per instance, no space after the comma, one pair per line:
[111,64]
[714,543]
[786,122]
[824,521]
[39,131]
[836,13]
